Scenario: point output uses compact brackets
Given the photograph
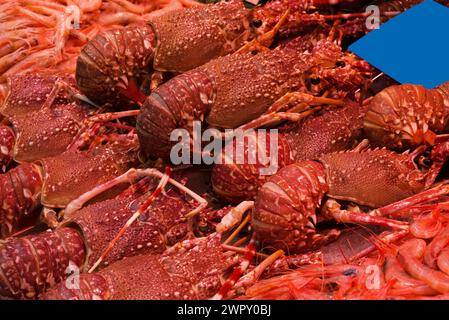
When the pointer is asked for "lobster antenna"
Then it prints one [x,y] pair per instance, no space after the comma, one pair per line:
[255,274]
[229,283]
[234,216]
[265,40]
[91,126]
[237,230]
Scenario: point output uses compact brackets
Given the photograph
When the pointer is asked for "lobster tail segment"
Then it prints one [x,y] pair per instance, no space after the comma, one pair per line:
[175,104]
[114,64]
[32,264]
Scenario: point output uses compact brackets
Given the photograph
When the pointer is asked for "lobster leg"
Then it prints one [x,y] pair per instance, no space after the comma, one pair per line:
[332,209]
[423,197]
[303,102]
[92,125]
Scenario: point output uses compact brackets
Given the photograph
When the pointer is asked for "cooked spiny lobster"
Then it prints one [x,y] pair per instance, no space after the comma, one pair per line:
[334,129]
[215,91]
[90,234]
[192,269]
[50,181]
[286,205]
[406,116]
[45,117]
[113,66]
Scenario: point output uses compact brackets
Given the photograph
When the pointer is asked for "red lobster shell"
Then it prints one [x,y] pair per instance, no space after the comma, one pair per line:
[286,205]
[216,93]
[329,131]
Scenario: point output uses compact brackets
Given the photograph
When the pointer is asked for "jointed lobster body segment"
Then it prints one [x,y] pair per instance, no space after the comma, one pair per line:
[286,206]
[405,116]
[117,62]
[32,264]
[190,270]
[7,141]
[327,131]
[19,195]
[215,92]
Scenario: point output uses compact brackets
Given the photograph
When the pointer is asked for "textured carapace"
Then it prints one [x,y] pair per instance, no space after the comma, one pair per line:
[44,115]
[331,130]
[114,65]
[161,226]
[405,116]
[286,205]
[32,264]
[373,178]
[200,34]
[19,195]
[46,132]
[93,167]
[216,92]
[27,93]
[192,269]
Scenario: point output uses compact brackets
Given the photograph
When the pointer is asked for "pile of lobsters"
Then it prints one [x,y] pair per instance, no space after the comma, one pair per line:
[331,185]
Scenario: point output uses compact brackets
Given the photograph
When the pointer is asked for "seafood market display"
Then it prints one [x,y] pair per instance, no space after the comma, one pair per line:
[175,149]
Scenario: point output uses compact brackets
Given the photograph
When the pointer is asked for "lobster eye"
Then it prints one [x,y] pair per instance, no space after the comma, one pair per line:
[340,64]
[427,162]
[257,23]
[315,81]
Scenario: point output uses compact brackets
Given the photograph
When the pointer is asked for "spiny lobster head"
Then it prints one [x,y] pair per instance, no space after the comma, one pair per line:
[85,169]
[202,262]
[46,132]
[285,207]
[160,226]
[25,93]
[335,71]
[378,177]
